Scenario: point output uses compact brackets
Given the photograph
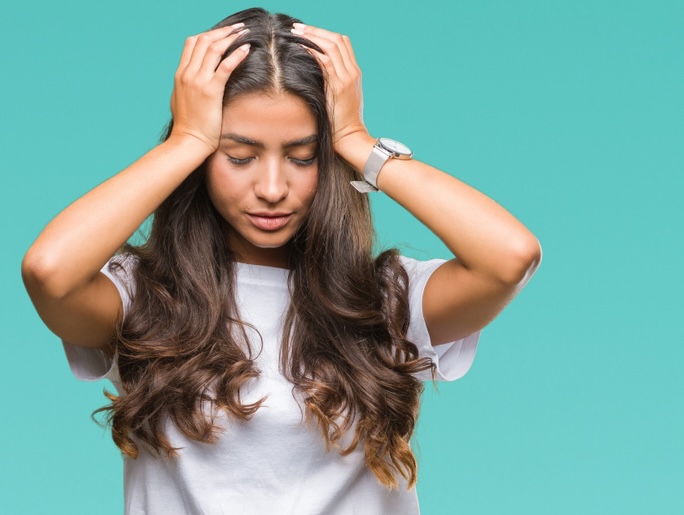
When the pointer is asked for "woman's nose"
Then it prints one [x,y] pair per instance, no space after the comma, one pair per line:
[272,184]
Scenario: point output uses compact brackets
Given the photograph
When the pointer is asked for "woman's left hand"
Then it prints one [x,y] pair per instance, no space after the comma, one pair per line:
[343,81]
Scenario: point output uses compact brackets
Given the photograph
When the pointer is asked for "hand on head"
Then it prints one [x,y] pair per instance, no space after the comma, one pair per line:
[343,79]
[201,77]
[200,81]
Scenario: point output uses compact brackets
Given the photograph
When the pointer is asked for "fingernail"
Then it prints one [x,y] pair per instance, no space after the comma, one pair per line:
[298,32]
[243,31]
[238,25]
[245,47]
[299,26]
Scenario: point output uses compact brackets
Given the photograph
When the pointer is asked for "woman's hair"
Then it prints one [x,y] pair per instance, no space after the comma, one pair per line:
[182,346]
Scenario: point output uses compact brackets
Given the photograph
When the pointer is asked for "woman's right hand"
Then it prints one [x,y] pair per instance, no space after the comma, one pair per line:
[199,84]
[61,269]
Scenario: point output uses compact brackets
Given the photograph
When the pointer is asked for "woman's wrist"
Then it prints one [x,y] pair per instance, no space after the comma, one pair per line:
[191,146]
[355,149]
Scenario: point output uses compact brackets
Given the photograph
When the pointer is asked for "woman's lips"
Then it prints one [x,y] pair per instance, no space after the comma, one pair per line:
[269,222]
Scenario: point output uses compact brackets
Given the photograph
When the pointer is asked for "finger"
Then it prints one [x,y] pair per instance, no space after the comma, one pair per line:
[330,61]
[188,47]
[342,46]
[348,52]
[337,46]
[215,52]
[229,64]
[330,77]
[203,41]
[330,50]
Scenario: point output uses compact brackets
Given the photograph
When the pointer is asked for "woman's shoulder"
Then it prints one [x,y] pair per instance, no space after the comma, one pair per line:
[120,270]
[122,264]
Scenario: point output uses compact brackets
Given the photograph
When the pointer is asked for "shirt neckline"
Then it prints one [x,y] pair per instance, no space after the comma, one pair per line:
[262,274]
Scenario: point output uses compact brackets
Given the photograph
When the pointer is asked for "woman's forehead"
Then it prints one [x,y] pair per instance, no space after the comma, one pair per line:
[260,118]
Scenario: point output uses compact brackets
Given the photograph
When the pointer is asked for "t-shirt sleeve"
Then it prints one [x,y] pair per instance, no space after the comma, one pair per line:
[452,359]
[89,364]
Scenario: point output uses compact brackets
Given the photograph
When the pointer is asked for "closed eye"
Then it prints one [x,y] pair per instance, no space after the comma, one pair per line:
[238,161]
[303,162]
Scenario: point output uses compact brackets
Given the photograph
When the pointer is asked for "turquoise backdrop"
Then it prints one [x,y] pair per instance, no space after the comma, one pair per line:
[569,114]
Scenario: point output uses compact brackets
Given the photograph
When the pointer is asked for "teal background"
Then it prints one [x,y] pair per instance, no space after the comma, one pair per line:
[569,114]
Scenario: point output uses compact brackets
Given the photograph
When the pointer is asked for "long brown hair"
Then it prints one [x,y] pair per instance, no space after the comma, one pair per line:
[182,343]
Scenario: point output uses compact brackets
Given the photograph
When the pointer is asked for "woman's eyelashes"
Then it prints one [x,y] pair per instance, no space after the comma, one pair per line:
[303,162]
[238,161]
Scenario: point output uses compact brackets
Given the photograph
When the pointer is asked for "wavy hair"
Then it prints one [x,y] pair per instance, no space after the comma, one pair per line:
[344,348]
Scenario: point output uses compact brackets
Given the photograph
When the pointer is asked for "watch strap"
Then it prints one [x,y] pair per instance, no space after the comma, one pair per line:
[371,169]
[363,186]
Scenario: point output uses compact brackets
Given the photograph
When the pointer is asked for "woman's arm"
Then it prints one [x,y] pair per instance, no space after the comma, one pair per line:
[74,246]
[61,270]
[496,253]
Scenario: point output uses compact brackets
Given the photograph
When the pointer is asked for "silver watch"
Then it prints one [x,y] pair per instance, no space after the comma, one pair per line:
[383,149]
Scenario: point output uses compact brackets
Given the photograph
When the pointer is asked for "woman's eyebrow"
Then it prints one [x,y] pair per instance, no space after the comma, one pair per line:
[242,139]
[301,141]
[248,141]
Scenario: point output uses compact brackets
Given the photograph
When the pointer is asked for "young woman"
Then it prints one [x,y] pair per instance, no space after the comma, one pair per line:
[265,360]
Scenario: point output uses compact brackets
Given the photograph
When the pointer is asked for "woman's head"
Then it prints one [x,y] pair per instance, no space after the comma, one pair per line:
[277,62]
[274,98]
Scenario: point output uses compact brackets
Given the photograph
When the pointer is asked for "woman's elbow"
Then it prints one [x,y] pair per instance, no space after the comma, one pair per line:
[525,259]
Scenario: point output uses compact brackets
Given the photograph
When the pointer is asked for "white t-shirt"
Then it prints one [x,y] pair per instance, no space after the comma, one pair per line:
[272,463]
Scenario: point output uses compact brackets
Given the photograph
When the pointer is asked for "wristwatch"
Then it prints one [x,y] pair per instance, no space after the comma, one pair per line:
[383,149]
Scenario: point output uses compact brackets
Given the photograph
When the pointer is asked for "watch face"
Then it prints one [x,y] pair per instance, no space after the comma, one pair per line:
[396,147]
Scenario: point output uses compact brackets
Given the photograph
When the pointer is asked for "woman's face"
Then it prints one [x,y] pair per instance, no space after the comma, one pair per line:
[263,177]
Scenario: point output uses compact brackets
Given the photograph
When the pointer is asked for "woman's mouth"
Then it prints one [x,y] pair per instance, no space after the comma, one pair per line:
[269,221]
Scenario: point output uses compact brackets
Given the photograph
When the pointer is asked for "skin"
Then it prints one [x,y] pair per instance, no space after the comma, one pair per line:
[250,183]
[497,254]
